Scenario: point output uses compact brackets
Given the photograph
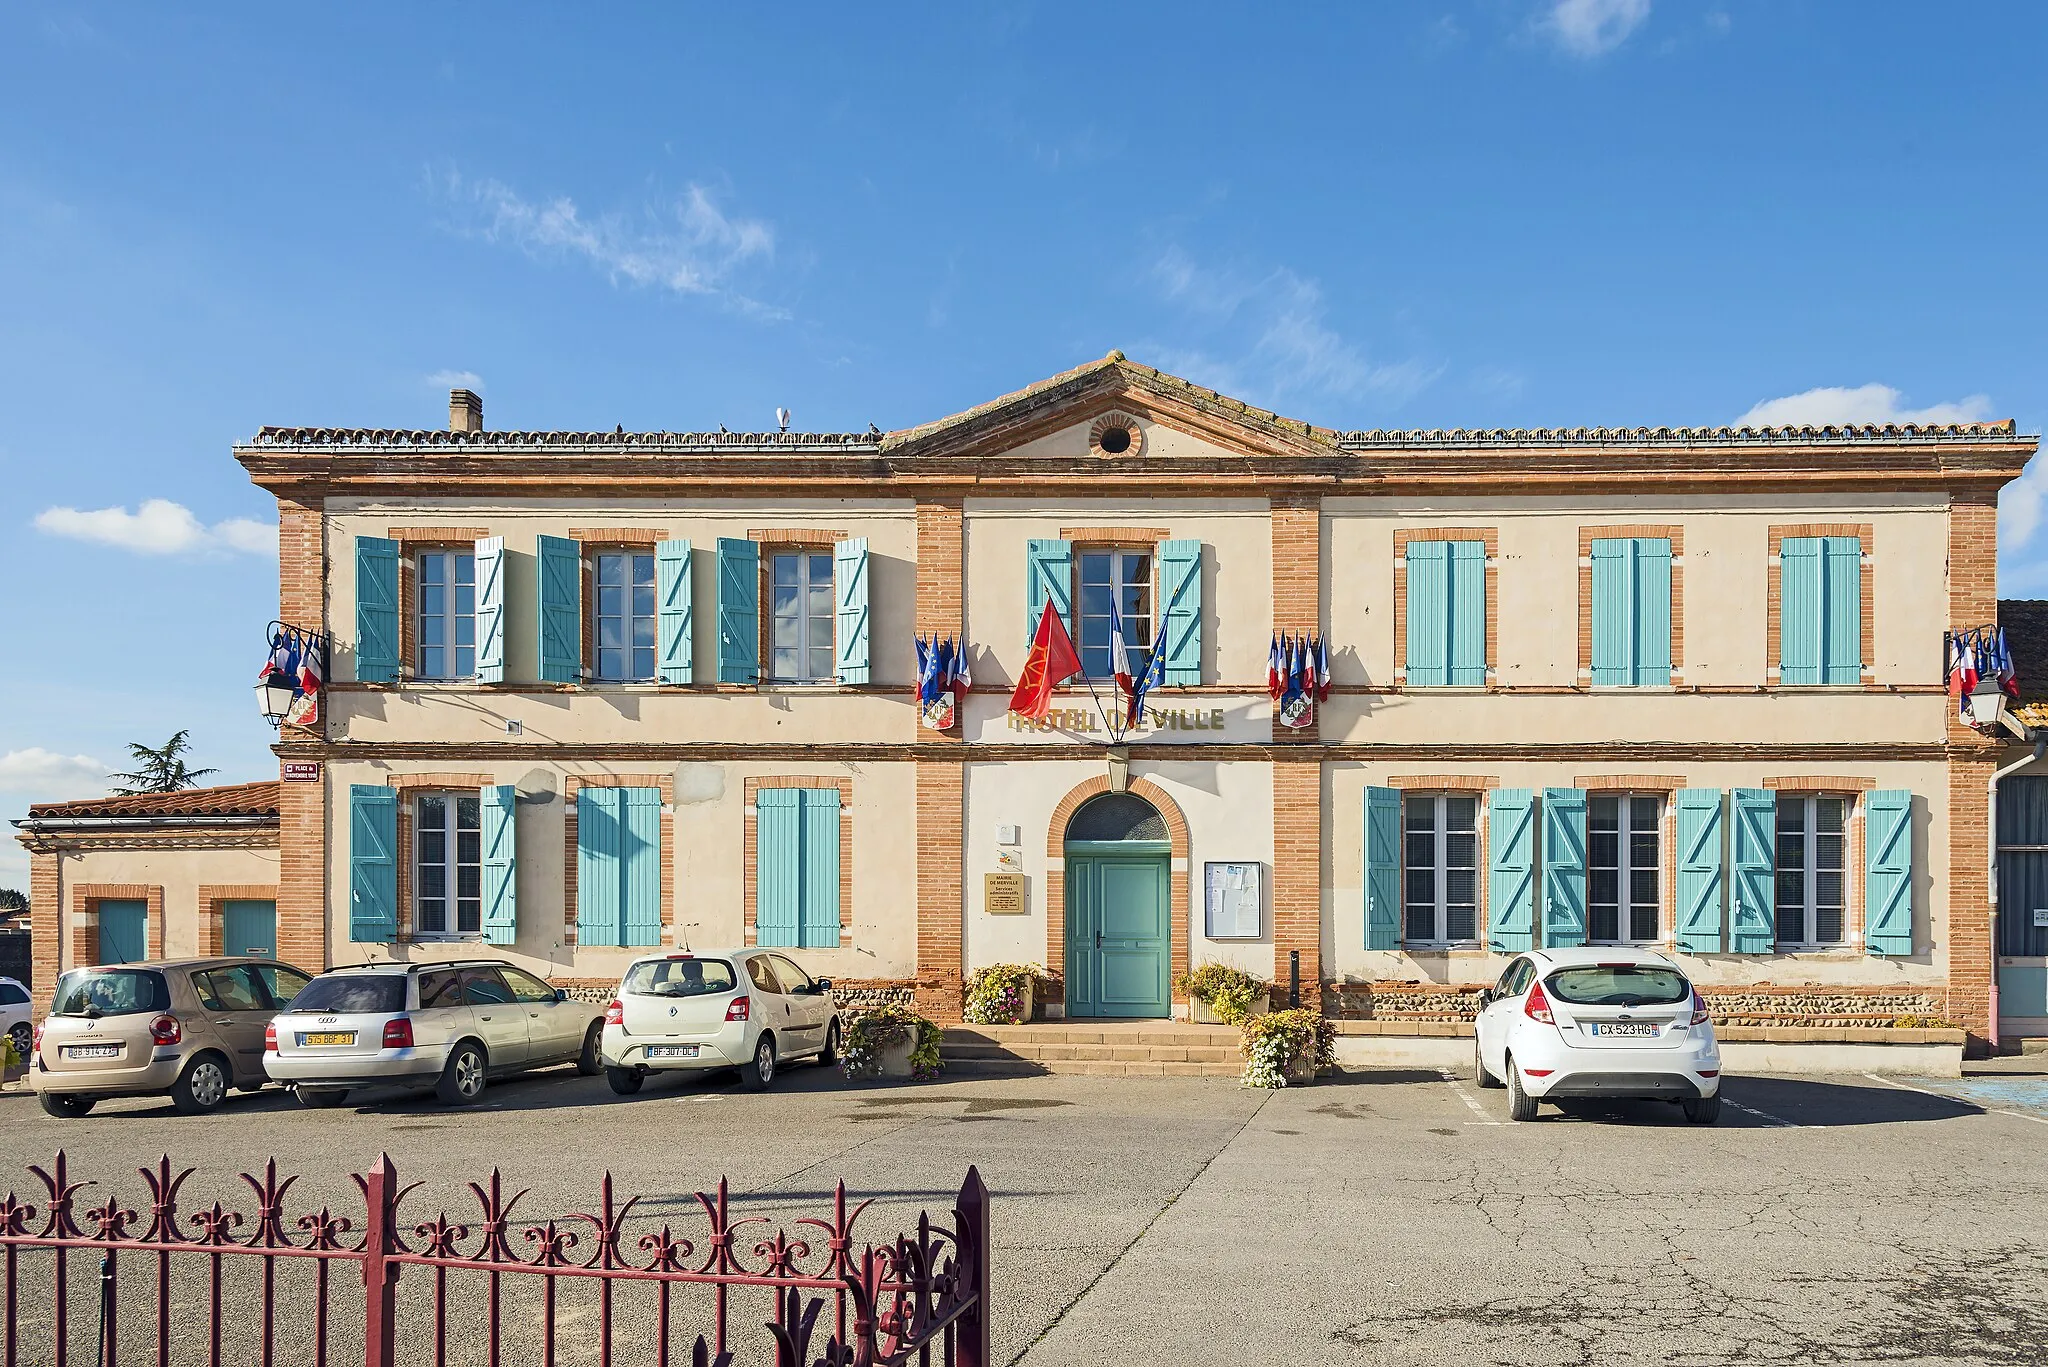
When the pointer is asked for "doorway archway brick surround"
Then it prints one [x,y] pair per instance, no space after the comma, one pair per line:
[1177,872]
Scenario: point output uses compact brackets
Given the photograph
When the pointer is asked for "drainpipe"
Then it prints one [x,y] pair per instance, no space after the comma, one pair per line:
[1991,838]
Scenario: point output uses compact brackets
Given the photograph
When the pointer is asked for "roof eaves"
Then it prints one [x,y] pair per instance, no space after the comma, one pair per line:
[1887,434]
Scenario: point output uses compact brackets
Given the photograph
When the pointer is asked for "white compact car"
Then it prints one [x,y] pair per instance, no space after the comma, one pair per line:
[749,1009]
[1610,1022]
[15,1009]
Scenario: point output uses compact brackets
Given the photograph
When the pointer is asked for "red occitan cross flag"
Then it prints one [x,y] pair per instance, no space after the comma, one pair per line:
[1052,662]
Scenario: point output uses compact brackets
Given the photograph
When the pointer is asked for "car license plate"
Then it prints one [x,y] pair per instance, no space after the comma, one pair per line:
[92,1051]
[328,1037]
[1629,1029]
[671,1051]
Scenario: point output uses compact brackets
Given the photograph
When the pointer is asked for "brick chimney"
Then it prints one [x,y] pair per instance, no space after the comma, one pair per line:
[465,411]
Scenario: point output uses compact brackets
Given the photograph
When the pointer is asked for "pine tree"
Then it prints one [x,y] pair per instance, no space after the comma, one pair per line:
[160,770]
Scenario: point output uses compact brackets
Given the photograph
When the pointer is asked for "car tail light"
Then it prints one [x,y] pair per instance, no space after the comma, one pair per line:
[398,1033]
[166,1030]
[1539,1072]
[1710,1072]
[1537,1006]
[615,1013]
[36,1044]
[739,1008]
[270,1038]
[1699,1008]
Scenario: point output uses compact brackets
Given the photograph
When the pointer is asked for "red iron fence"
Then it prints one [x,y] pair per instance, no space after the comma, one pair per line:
[599,1286]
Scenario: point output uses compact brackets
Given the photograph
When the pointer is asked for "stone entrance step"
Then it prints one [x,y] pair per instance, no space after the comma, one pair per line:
[1100,1049]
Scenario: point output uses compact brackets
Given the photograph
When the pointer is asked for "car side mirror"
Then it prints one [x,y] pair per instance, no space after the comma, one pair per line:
[1485,997]
[821,985]
[561,994]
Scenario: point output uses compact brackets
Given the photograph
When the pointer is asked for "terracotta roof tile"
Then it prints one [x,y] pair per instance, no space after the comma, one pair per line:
[235,799]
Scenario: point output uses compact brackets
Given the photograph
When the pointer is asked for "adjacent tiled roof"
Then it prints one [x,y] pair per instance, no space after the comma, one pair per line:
[2026,635]
[234,799]
[1887,433]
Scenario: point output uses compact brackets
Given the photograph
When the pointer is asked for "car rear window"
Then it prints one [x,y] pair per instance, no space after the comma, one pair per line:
[1618,985]
[110,992]
[353,993]
[680,978]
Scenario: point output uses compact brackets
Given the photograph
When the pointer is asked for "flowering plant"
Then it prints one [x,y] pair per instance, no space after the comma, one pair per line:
[999,994]
[1284,1044]
[1229,992]
[870,1032]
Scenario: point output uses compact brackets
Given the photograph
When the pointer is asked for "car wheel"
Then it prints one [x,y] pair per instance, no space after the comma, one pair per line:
[321,1098]
[829,1055]
[1521,1106]
[24,1037]
[1702,1110]
[201,1087]
[462,1081]
[761,1072]
[624,1081]
[587,1063]
[64,1105]
[1479,1073]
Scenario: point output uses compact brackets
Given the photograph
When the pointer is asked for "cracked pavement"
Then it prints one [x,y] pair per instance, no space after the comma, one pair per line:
[1390,1217]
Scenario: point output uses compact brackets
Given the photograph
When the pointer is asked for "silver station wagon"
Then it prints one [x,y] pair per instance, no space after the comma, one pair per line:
[447,1026]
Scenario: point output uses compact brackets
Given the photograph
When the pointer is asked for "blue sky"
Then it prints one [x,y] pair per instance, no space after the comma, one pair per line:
[1502,212]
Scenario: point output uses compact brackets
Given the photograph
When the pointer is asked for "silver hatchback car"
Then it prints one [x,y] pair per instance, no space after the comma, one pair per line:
[445,1026]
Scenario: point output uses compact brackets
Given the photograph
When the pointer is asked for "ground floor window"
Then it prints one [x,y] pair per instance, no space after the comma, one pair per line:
[447,865]
[1440,867]
[1622,867]
[1810,865]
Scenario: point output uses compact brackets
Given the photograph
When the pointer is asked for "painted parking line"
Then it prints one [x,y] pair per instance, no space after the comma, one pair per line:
[1761,1115]
[1957,1100]
[1470,1101]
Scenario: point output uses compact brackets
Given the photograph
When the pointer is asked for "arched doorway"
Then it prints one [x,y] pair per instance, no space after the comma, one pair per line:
[1119,922]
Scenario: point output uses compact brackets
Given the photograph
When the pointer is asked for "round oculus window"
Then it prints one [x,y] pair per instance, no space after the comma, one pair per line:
[1115,434]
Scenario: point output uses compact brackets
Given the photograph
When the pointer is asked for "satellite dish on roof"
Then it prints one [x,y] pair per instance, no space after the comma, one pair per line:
[782,419]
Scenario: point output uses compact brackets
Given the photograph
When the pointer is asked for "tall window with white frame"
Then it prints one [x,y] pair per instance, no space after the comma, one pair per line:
[625,616]
[1122,578]
[447,866]
[1440,868]
[800,624]
[445,620]
[1811,856]
[1623,865]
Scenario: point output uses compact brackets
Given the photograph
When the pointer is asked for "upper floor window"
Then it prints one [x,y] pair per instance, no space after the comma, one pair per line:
[1119,579]
[1440,867]
[447,870]
[625,616]
[1811,863]
[445,624]
[1631,611]
[1445,605]
[1623,864]
[800,635]
[1820,610]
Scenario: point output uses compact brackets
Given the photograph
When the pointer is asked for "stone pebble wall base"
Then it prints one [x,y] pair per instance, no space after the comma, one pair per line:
[1728,1006]
[850,995]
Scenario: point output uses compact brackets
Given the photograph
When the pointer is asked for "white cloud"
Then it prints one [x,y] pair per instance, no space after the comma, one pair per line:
[1868,403]
[689,246]
[159,527]
[50,777]
[456,379]
[2019,507]
[1591,28]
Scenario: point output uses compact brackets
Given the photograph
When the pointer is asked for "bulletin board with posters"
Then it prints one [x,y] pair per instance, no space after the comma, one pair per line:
[1233,900]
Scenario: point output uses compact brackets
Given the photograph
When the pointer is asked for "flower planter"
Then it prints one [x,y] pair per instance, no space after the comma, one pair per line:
[895,1062]
[1199,1012]
[1301,1072]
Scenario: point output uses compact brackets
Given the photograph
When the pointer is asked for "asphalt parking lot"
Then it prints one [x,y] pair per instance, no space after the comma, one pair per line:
[1391,1217]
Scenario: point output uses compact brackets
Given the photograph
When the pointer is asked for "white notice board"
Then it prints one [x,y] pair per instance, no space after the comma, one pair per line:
[1234,899]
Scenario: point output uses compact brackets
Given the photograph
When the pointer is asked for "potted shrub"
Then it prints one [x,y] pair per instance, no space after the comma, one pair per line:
[12,1065]
[1002,994]
[890,1042]
[1287,1048]
[1221,995]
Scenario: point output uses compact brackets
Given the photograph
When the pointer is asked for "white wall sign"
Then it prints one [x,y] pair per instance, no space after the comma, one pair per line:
[1233,901]
[2041,916]
[1010,861]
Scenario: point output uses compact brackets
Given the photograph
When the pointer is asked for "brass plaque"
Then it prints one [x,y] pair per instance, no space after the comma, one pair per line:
[1002,894]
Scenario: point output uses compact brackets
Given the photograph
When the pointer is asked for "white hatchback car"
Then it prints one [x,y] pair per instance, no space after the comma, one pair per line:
[15,1009]
[749,1009]
[1606,1022]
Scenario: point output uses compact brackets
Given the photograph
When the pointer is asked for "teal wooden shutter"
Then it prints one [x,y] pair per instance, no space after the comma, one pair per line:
[372,863]
[376,610]
[1468,613]
[1511,861]
[599,876]
[1564,867]
[1888,871]
[850,587]
[1699,870]
[1180,618]
[1799,610]
[674,627]
[778,866]
[739,611]
[819,924]
[490,610]
[640,865]
[1048,577]
[1753,927]
[1841,636]
[500,864]
[1631,612]
[1652,611]
[1382,868]
[561,609]
[1429,613]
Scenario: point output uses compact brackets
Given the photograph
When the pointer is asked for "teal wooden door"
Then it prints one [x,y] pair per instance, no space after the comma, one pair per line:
[249,928]
[124,932]
[1118,931]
